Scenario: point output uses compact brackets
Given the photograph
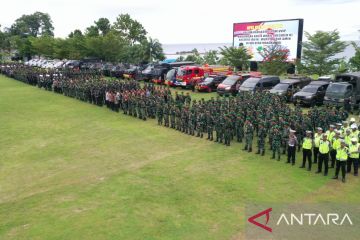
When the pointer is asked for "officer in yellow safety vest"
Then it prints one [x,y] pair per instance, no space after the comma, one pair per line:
[324,149]
[345,126]
[338,127]
[330,133]
[335,144]
[317,138]
[341,158]
[347,137]
[354,132]
[307,147]
[352,121]
[354,149]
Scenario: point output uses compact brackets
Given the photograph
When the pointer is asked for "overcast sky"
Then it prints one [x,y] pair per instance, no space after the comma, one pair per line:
[191,21]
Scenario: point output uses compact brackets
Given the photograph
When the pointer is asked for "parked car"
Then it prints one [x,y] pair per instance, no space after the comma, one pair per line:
[312,94]
[117,71]
[72,64]
[259,83]
[325,78]
[288,87]
[210,83]
[106,69]
[146,73]
[231,84]
[59,64]
[96,66]
[132,73]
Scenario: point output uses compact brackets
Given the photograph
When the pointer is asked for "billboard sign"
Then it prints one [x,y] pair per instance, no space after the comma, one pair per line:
[256,35]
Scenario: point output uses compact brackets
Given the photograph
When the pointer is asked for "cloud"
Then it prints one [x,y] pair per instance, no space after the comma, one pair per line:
[314,2]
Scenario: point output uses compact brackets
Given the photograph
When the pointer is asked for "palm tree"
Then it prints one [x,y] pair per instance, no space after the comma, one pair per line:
[154,49]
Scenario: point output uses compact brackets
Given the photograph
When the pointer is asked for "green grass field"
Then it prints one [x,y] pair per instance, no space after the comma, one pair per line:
[71,170]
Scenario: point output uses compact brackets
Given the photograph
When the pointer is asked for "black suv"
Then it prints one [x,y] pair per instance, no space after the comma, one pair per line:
[288,87]
[312,94]
[259,83]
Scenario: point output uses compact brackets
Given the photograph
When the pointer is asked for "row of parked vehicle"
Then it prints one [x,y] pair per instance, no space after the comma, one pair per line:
[52,64]
[145,72]
[345,88]
[297,89]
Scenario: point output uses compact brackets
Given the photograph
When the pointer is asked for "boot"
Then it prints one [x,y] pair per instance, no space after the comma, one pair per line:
[250,149]
[278,158]
[258,151]
[245,148]
[263,153]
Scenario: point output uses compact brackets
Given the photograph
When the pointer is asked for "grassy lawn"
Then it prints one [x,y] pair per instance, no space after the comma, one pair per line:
[71,170]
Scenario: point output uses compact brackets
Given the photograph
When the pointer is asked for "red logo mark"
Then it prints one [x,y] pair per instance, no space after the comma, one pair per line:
[267,212]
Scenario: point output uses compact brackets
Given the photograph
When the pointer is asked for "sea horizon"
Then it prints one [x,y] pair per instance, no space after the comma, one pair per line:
[174,50]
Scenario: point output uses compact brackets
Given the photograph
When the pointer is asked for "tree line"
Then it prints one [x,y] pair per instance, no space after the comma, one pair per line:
[125,40]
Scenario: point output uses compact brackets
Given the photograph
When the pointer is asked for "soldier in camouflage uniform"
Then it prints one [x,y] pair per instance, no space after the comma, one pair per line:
[200,124]
[239,126]
[192,122]
[142,106]
[227,131]
[284,136]
[166,115]
[219,128]
[249,135]
[184,120]
[261,139]
[178,119]
[172,116]
[276,142]
[209,125]
[159,113]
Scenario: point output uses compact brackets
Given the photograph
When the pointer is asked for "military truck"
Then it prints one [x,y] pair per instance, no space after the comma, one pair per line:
[345,89]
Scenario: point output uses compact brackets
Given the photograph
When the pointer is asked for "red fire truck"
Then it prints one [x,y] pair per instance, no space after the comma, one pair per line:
[189,76]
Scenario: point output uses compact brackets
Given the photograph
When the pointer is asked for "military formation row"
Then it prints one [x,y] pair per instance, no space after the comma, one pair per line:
[240,118]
